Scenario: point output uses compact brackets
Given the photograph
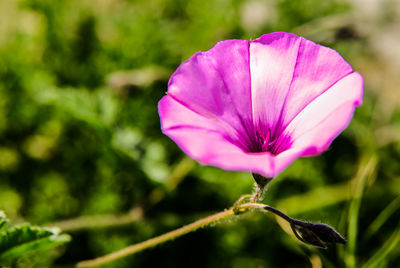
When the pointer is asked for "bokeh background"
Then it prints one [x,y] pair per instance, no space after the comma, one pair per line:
[81,147]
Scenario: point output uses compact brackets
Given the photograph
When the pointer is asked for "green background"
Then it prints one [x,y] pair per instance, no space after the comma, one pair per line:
[81,146]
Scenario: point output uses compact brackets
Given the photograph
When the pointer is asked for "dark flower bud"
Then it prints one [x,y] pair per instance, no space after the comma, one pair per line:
[326,233]
[307,236]
[316,233]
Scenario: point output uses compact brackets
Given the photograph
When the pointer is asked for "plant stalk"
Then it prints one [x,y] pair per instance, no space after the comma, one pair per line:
[157,240]
[238,208]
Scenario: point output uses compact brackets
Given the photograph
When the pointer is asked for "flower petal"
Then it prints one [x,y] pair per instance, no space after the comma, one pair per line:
[272,62]
[216,83]
[211,148]
[287,73]
[207,141]
[317,69]
[174,114]
[315,127]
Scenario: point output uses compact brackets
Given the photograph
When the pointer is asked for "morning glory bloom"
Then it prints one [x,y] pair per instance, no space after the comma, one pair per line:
[259,105]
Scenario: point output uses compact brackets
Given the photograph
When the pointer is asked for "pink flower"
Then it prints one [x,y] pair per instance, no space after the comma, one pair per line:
[259,105]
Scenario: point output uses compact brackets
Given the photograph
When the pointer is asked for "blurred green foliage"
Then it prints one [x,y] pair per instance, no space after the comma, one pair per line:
[81,147]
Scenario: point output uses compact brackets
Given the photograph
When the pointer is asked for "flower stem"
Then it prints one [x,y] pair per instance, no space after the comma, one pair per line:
[307,231]
[157,240]
[238,208]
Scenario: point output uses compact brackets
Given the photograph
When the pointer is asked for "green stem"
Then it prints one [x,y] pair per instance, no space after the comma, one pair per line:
[157,240]
[238,208]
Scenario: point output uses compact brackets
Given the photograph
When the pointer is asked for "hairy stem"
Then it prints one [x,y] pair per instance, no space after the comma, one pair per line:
[157,240]
[238,208]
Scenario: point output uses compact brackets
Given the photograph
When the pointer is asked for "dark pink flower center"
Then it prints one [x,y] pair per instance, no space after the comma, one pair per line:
[260,139]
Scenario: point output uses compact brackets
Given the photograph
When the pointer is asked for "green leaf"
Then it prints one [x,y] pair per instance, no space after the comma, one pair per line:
[34,246]
[22,241]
